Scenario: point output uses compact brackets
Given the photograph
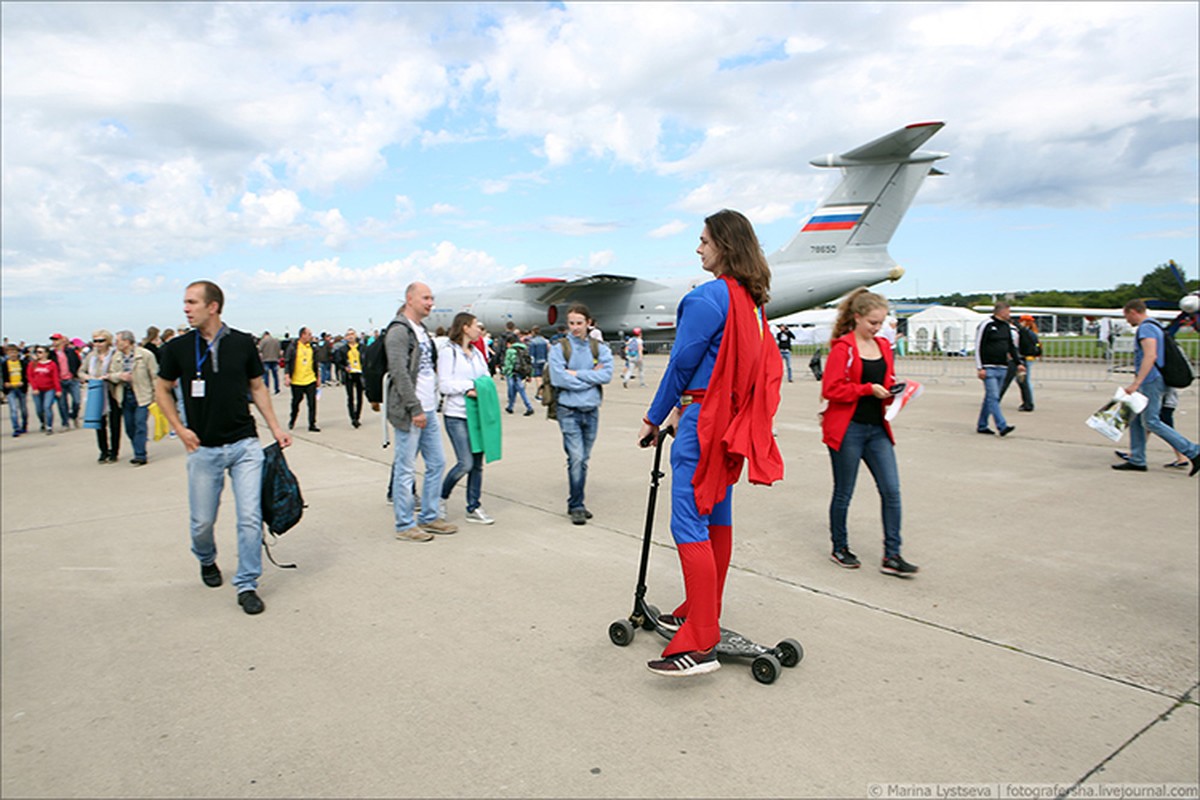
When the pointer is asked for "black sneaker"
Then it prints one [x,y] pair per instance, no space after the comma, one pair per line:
[250,602]
[986,431]
[679,665]
[844,558]
[1121,454]
[895,565]
[1008,430]
[670,622]
[1129,466]
[210,574]
[578,516]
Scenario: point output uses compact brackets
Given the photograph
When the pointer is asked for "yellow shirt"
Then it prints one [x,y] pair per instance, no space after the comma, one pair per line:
[353,359]
[302,370]
[12,374]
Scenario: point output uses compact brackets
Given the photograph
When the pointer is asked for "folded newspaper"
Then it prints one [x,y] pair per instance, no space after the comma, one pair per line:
[1114,418]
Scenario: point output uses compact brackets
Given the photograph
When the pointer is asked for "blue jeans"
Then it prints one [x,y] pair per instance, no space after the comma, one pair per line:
[786,355]
[516,386]
[206,468]
[991,398]
[69,410]
[18,410]
[428,442]
[469,463]
[326,371]
[1149,420]
[578,428]
[869,443]
[271,372]
[43,404]
[135,424]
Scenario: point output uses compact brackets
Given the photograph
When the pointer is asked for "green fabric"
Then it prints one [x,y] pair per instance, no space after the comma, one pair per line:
[483,419]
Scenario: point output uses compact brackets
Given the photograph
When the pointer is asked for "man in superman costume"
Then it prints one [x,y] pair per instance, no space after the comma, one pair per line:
[720,392]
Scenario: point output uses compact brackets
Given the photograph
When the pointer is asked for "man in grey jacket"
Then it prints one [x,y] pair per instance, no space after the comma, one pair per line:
[412,400]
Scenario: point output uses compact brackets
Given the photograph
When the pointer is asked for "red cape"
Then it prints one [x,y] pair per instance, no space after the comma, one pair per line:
[738,412]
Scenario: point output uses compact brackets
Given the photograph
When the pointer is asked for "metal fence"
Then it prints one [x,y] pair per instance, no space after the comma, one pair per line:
[1066,358]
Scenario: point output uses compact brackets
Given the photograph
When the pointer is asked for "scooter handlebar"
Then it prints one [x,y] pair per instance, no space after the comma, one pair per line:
[662,435]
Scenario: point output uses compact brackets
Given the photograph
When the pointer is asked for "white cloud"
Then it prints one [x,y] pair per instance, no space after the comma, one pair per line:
[672,228]
[445,261]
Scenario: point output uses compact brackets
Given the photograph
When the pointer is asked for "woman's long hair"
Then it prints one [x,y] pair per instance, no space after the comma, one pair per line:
[741,254]
[461,320]
[861,301]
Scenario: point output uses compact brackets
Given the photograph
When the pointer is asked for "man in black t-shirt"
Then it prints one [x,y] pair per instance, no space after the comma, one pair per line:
[218,367]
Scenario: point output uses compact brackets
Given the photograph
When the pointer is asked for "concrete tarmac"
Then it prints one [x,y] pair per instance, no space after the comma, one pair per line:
[1049,643]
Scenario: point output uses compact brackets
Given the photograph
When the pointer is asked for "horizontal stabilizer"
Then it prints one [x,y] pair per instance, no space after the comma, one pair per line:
[897,147]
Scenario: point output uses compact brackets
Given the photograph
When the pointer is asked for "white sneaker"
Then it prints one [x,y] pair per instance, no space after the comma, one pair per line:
[479,516]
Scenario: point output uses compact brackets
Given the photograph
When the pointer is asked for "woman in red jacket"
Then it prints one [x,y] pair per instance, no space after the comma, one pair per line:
[858,377]
[42,375]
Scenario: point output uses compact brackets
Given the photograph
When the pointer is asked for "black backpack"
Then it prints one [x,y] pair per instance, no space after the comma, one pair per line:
[375,366]
[1176,369]
[282,503]
[1027,343]
[523,363]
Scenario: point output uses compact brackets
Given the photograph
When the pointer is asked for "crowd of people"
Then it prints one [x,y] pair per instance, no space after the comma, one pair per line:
[718,395]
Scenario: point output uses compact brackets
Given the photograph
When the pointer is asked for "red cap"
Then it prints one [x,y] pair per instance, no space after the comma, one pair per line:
[57,336]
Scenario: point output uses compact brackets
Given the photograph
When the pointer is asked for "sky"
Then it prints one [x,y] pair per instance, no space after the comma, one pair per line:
[313,159]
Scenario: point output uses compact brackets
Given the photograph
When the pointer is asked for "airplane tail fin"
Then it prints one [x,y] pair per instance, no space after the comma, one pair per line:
[879,181]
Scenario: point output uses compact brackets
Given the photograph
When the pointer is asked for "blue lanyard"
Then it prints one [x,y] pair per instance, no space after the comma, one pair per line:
[201,359]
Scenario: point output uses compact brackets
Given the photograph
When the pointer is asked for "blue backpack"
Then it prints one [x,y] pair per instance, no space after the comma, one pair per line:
[282,503]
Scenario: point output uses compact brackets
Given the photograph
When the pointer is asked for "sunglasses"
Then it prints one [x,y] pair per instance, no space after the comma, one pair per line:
[99,341]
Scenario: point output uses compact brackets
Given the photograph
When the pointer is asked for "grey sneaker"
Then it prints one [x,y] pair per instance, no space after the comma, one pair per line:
[479,516]
[439,526]
[413,535]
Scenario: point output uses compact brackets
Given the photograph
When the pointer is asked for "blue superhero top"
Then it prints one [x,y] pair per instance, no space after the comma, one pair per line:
[699,328]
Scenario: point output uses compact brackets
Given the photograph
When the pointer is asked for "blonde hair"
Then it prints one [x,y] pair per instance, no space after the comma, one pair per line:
[860,302]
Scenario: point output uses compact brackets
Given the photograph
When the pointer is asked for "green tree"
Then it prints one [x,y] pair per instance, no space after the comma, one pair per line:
[1161,284]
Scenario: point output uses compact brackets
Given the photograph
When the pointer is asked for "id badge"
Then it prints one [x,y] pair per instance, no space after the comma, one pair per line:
[198,388]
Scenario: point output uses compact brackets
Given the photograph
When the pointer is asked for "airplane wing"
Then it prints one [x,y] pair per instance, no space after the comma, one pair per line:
[559,291]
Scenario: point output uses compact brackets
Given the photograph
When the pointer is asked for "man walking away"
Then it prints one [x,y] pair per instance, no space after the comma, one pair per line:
[270,351]
[518,368]
[219,368]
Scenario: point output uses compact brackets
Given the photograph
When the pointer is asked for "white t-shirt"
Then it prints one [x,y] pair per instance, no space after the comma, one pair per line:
[426,377]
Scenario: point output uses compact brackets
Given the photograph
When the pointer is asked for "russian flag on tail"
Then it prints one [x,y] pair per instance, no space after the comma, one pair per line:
[834,218]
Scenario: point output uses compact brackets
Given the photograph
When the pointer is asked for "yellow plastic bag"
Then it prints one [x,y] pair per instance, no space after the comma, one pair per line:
[161,426]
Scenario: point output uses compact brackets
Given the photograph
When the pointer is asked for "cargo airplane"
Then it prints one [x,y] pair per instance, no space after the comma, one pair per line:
[839,247]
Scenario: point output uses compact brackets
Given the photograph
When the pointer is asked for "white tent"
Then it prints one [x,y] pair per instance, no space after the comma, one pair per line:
[947,329]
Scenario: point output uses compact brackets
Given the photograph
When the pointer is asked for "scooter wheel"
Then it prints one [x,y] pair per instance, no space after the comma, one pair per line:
[621,632]
[651,619]
[765,668]
[790,652]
